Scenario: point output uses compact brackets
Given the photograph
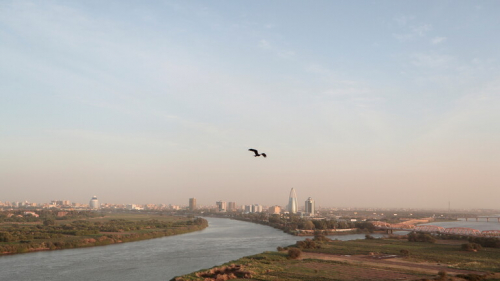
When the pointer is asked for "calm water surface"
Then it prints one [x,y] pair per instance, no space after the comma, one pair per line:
[156,259]
[479,225]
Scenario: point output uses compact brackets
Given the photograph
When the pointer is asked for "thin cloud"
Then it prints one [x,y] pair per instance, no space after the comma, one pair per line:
[111,138]
[415,32]
[282,53]
[431,60]
[438,40]
[263,44]
[403,20]
[422,29]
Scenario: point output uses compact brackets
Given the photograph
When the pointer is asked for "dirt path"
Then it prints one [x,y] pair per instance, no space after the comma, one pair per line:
[393,262]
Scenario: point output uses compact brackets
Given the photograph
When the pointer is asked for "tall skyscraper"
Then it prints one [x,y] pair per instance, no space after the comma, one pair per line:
[293,207]
[310,207]
[221,206]
[94,203]
[192,204]
[231,206]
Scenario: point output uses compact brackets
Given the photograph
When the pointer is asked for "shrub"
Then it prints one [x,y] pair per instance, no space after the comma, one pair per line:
[369,237]
[321,237]
[421,237]
[471,247]
[404,252]
[307,244]
[442,275]
[471,276]
[294,253]
[491,242]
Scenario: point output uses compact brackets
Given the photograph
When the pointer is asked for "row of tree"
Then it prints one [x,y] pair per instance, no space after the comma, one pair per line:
[292,223]
[45,214]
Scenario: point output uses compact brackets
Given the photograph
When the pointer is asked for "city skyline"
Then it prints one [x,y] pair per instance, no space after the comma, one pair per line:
[381,104]
[309,208]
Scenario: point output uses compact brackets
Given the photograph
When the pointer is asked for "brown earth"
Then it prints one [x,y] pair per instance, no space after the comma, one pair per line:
[383,267]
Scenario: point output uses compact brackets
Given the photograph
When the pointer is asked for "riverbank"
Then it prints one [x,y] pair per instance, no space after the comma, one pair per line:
[368,259]
[110,229]
[296,229]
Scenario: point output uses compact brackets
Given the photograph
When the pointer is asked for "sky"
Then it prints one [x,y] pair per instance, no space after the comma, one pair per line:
[356,103]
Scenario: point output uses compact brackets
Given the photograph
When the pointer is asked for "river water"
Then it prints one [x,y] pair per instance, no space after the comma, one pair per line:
[164,258]
[156,259]
[480,225]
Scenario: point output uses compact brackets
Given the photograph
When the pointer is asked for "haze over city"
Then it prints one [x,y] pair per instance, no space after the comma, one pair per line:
[366,104]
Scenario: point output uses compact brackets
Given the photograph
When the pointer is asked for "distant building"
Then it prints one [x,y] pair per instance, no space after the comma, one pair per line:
[257,208]
[274,209]
[221,206]
[309,208]
[231,206]
[192,204]
[94,203]
[292,202]
[31,214]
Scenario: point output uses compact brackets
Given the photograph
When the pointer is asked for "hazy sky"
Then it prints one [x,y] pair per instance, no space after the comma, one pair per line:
[356,103]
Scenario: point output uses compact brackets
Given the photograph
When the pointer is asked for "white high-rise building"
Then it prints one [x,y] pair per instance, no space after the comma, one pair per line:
[309,208]
[293,207]
[94,203]
[256,208]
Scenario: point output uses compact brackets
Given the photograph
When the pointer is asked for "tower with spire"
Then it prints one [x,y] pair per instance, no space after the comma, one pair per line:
[293,207]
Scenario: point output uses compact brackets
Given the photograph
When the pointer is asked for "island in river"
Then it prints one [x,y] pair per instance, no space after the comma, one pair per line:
[390,258]
[52,230]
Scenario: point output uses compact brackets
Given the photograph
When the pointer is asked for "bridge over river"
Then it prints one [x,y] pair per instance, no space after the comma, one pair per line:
[463,231]
[482,218]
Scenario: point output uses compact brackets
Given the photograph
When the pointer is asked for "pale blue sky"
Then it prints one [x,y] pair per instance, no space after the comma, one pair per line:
[357,103]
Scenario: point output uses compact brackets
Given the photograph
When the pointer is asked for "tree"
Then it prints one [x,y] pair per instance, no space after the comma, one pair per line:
[294,253]
[6,237]
[49,222]
[309,225]
[320,224]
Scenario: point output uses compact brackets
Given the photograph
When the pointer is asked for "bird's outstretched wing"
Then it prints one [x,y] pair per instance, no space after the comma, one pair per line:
[254,151]
[263,154]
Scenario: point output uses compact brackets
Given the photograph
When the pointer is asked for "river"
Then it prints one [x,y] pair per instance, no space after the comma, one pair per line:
[163,258]
[480,225]
[156,259]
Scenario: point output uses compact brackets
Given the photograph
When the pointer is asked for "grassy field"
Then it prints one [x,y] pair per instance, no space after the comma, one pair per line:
[373,259]
[444,252]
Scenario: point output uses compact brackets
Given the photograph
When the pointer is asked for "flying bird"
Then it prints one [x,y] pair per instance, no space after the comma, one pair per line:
[257,153]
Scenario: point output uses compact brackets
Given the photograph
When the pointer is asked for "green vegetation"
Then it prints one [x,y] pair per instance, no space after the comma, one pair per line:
[486,241]
[471,247]
[421,237]
[368,259]
[22,215]
[294,224]
[452,254]
[294,253]
[46,233]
